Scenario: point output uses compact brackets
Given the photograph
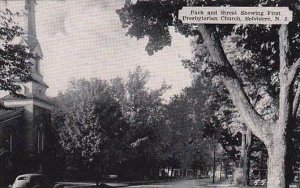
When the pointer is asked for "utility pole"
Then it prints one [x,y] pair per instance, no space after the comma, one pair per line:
[221,170]
[214,157]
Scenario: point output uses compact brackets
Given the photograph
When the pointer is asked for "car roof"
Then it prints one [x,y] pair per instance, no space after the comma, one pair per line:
[30,175]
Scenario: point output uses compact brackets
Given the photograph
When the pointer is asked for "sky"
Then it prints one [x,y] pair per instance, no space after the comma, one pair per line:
[84,39]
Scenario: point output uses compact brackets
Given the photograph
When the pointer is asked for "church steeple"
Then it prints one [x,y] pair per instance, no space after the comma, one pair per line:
[35,104]
[30,25]
[35,87]
[30,36]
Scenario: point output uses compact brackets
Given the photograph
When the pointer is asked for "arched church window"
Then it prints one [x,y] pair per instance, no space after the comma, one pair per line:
[41,92]
[37,65]
[40,140]
[9,142]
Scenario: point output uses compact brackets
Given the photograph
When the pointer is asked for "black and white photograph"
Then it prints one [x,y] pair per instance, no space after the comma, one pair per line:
[149,93]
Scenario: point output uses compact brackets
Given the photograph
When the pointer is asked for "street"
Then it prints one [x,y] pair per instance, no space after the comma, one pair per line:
[194,183]
[197,183]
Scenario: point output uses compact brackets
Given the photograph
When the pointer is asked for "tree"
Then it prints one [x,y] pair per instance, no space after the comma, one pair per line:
[144,112]
[259,83]
[91,125]
[14,58]
[220,120]
[273,134]
[216,113]
[198,117]
[276,49]
[186,146]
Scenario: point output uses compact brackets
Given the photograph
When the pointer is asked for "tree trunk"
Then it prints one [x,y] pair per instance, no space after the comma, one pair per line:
[246,169]
[276,163]
[221,171]
[241,175]
[246,161]
[214,161]
[238,178]
[273,134]
[243,147]
[226,170]
[279,159]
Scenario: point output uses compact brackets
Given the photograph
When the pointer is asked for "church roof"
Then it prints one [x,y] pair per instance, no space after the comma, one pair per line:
[9,113]
[27,96]
[4,112]
[40,82]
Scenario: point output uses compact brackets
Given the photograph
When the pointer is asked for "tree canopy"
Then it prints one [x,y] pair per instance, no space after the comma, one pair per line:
[273,49]
[144,111]
[91,124]
[14,58]
[107,123]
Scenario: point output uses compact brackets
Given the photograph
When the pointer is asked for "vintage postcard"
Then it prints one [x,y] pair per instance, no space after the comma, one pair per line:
[149,93]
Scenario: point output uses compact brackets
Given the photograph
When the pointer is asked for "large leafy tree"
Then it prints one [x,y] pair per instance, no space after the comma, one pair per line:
[14,58]
[259,84]
[144,112]
[216,114]
[220,119]
[272,49]
[200,116]
[91,125]
[185,145]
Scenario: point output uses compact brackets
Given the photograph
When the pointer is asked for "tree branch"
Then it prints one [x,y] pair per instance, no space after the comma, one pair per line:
[287,73]
[283,50]
[296,101]
[248,139]
[293,70]
[252,119]
[287,79]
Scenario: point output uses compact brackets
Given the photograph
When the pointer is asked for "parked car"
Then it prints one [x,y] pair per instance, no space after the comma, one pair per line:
[32,181]
[260,182]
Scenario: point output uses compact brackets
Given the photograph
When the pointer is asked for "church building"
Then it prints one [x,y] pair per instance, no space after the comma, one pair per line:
[25,127]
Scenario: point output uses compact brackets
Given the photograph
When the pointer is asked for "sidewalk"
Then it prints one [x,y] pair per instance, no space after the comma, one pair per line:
[86,184]
[225,183]
[228,183]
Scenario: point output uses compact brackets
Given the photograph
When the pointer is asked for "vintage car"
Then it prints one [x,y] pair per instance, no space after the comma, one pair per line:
[32,181]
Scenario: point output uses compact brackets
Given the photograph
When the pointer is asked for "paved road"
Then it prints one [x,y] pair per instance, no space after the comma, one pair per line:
[87,185]
[199,183]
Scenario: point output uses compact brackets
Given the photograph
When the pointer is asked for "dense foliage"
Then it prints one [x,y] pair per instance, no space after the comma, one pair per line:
[14,58]
[128,129]
[250,67]
[112,127]
[91,124]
